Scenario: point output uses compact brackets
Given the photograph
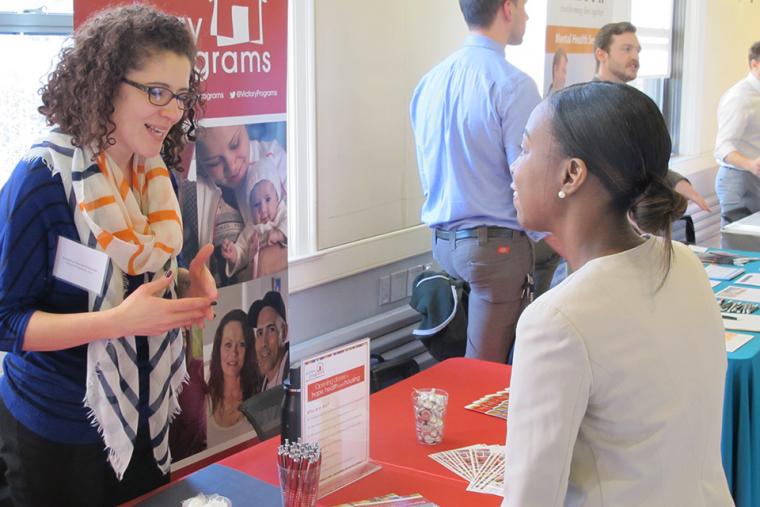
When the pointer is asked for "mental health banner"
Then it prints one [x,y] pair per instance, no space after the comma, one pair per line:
[570,31]
[233,194]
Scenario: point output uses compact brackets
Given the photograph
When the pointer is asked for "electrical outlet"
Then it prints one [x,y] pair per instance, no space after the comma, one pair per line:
[398,285]
[384,290]
[413,272]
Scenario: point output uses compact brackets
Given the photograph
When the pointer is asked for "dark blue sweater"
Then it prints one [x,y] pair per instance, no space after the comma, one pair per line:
[43,390]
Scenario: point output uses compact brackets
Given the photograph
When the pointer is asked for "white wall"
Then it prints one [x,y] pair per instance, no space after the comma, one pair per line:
[718,35]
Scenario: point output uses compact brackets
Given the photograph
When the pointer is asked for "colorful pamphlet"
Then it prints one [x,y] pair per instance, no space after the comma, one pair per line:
[495,404]
[721,272]
[482,465]
[736,340]
[392,500]
[713,257]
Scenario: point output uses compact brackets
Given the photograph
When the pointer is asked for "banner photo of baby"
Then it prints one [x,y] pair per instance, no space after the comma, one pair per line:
[235,196]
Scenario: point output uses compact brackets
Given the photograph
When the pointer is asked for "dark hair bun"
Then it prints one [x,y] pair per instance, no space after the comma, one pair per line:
[655,209]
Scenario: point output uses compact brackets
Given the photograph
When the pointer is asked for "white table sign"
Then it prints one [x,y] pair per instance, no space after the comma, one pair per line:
[335,412]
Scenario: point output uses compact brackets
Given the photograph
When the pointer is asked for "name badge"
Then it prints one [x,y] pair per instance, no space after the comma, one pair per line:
[80,265]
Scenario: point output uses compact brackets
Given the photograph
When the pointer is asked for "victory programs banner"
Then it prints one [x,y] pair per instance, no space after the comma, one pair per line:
[243,50]
[233,194]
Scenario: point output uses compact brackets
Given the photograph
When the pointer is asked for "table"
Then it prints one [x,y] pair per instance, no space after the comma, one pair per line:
[406,467]
[743,234]
[740,442]
[393,444]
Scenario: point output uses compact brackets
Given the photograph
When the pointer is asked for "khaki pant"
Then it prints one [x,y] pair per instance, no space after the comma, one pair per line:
[497,270]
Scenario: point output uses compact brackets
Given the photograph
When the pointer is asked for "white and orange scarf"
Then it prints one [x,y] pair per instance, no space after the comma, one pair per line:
[138,225]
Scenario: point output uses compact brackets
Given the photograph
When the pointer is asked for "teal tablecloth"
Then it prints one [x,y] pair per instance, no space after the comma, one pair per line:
[740,443]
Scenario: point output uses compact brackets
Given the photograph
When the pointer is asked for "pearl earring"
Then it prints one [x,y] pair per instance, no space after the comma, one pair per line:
[561,194]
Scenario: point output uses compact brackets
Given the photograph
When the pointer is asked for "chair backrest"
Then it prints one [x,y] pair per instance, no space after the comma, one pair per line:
[683,230]
[263,411]
[386,372]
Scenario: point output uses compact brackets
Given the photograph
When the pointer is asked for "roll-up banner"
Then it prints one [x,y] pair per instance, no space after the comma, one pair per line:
[233,194]
[570,31]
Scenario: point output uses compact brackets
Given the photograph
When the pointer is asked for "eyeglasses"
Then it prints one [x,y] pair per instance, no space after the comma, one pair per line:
[268,330]
[160,95]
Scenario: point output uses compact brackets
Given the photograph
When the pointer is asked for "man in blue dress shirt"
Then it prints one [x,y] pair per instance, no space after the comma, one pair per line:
[468,115]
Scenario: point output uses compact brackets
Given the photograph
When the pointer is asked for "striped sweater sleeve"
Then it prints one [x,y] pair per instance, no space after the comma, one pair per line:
[33,214]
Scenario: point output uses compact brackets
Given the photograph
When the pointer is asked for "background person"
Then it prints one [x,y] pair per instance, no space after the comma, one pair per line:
[122,102]
[737,145]
[269,227]
[616,395]
[484,101]
[559,71]
[267,318]
[232,377]
[187,432]
[616,49]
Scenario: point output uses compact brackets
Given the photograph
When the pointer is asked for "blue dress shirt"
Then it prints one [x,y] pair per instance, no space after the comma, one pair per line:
[468,115]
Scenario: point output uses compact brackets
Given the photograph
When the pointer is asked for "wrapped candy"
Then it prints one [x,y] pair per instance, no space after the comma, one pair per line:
[429,411]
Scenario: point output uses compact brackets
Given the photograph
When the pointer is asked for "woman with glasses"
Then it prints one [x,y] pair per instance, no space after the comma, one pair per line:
[91,295]
[617,383]
[232,378]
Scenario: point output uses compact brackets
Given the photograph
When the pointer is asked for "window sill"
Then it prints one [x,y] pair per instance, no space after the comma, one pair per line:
[345,260]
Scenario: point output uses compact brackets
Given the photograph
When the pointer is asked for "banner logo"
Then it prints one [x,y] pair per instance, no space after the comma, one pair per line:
[233,23]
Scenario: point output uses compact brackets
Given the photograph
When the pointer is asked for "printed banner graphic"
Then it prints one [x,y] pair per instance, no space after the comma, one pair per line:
[570,31]
[233,194]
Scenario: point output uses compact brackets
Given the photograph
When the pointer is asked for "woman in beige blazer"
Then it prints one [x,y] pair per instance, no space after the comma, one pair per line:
[617,385]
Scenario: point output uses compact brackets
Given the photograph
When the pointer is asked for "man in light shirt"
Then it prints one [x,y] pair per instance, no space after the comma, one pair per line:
[737,147]
[468,115]
[616,49]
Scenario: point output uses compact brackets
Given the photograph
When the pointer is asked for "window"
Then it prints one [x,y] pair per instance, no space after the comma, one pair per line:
[30,40]
[660,27]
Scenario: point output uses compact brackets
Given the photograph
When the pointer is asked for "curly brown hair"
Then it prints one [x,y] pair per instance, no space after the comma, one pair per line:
[79,95]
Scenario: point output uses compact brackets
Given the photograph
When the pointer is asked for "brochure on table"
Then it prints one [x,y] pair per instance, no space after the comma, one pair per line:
[335,413]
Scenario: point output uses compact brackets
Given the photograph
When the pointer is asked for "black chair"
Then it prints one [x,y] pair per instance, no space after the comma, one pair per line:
[386,372]
[683,230]
[263,411]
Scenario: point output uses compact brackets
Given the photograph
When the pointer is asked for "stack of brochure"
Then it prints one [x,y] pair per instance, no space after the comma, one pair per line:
[496,404]
[481,464]
[712,257]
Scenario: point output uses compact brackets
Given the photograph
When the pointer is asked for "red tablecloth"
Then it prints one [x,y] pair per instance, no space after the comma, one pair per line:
[393,444]
[406,467]
[392,433]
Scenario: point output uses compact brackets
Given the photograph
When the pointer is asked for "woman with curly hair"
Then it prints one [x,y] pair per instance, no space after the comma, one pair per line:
[89,287]
[232,377]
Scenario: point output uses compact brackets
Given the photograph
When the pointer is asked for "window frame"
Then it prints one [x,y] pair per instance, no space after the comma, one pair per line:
[36,23]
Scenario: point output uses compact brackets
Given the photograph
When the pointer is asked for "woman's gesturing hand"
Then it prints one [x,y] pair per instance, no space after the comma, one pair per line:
[146,313]
[202,283]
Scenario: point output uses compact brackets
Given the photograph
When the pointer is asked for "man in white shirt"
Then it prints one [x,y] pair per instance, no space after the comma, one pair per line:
[737,146]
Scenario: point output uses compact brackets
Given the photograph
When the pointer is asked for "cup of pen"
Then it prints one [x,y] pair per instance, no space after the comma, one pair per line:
[298,466]
[429,411]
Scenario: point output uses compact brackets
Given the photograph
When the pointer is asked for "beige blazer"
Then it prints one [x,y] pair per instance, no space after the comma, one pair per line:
[617,388]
